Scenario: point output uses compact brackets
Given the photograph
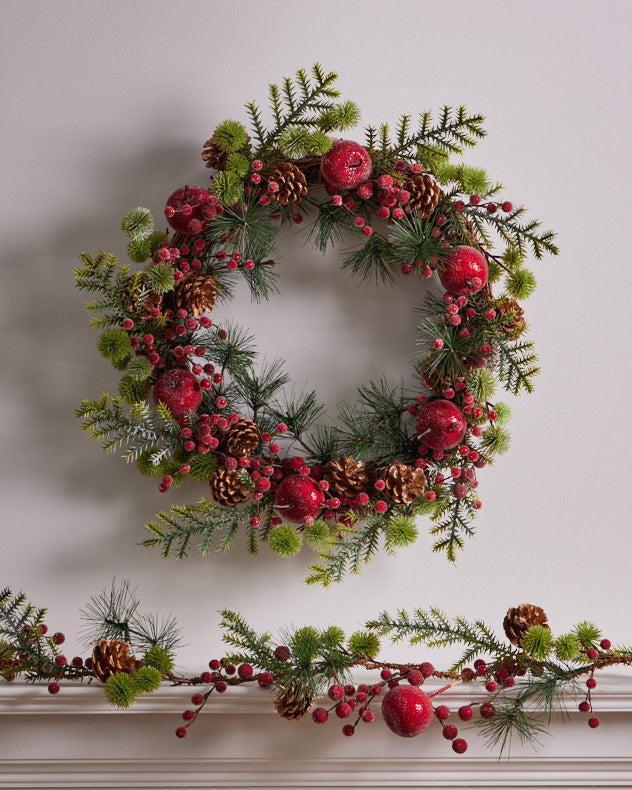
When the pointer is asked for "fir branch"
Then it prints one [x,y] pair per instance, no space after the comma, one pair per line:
[330,225]
[373,260]
[522,236]
[298,412]
[256,389]
[452,524]
[355,550]
[516,366]
[235,352]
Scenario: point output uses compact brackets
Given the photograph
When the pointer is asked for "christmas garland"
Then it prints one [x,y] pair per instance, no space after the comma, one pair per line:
[191,402]
[516,686]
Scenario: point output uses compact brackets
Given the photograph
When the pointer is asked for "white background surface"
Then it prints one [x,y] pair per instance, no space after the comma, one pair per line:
[105,107]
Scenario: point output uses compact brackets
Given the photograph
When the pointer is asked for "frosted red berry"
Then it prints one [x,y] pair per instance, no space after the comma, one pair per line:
[584,706]
[343,710]
[53,688]
[465,713]
[319,715]
[450,732]
[459,745]
[185,206]
[407,710]
[188,715]
[181,732]
[593,722]
[426,669]
[245,671]
[348,730]
[197,699]
[591,683]
[336,692]
[442,712]
[415,677]
[487,710]
[605,644]
[298,497]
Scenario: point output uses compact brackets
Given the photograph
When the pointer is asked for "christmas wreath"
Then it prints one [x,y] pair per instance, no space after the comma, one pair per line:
[516,685]
[193,403]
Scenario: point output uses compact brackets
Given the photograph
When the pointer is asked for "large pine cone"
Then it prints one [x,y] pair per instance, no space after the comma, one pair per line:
[403,484]
[196,293]
[133,300]
[346,476]
[228,488]
[242,438]
[296,700]
[520,618]
[213,155]
[424,194]
[111,656]
[292,183]
[511,318]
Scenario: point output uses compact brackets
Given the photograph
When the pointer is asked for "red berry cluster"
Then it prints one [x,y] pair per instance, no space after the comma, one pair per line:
[594,655]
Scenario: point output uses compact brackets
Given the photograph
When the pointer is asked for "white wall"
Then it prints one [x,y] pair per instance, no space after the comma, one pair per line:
[105,107]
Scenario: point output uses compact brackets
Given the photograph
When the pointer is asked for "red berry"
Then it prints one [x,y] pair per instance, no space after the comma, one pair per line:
[367,715]
[450,732]
[245,671]
[584,706]
[492,208]
[59,638]
[592,653]
[197,699]
[336,692]
[380,506]
[188,715]
[53,688]
[343,710]
[591,683]
[593,722]
[491,685]
[265,679]
[487,710]
[407,710]
[77,662]
[348,730]
[61,661]
[298,497]
[346,165]
[221,686]
[442,712]
[465,713]
[474,200]
[426,669]
[459,745]
[605,644]
[181,732]
[385,674]
[349,690]
[205,677]
[507,206]
[464,271]
[415,677]
[441,425]
[459,205]
[180,392]
[319,715]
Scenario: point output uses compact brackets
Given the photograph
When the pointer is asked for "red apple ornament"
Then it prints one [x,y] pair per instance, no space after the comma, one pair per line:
[180,391]
[441,425]
[407,710]
[346,165]
[464,271]
[185,210]
[298,498]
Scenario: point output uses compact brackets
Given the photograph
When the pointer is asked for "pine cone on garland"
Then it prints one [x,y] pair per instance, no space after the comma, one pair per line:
[403,484]
[346,476]
[227,487]
[424,195]
[111,656]
[520,618]
[149,301]
[196,293]
[213,155]
[242,438]
[295,701]
[292,183]
[511,317]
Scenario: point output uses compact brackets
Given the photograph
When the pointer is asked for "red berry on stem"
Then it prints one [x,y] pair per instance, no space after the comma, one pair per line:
[319,715]
[605,644]
[415,677]
[343,710]
[348,730]
[188,715]
[459,745]
[59,638]
[584,706]
[336,692]
[591,683]
[442,712]
[426,669]
[53,688]
[197,699]
[407,711]
[346,165]
[487,710]
[181,732]
[465,713]
[593,722]
[450,732]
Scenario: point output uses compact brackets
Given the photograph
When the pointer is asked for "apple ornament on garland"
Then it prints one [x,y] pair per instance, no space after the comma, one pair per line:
[407,711]
[186,210]
[441,425]
[180,391]
[346,165]
[464,271]
[299,498]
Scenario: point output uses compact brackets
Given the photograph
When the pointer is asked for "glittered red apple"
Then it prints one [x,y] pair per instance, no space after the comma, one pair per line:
[407,711]
[298,498]
[185,210]
[441,425]
[180,391]
[464,271]
[346,165]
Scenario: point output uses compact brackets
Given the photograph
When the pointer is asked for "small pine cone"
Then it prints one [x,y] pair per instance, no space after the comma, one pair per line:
[346,476]
[242,438]
[520,618]
[294,701]
[111,656]
[196,293]
[292,183]
[213,155]
[403,484]
[149,301]
[511,318]
[227,487]
[424,194]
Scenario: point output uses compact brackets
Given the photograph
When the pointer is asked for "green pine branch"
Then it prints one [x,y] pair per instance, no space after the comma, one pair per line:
[356,549]
[517,364]
[452,525]
[520,235]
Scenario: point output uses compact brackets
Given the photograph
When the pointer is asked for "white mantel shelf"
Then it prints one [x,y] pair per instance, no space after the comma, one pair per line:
[76,740]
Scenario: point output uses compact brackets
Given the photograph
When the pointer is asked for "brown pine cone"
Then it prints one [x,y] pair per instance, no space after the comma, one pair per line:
[149,301]
[292,183]
[213,155]
[520,618]
[227,487]
[242,438]
[346,475]
[403,484]
[296,700]
[511,317]
[196,293]
[111,656]
[424,194]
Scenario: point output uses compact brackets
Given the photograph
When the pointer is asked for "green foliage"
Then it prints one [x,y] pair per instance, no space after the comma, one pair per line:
[114,345]
[145,465]
[258,388]
[138,224]
[348,555]
[400,531]
[412,240]
[566,647]
[504,413]
[230,136]
[343,116]
[319,535]
[471,180]
[495,440]
[513,258]
[139,368]
[238,163]
[495,272]
[372,261]
[319,143]
[227,187]
[134,390]
[120,690]
[537,642]
[452,523]
[364,643]
[138,250]
[521,283]
[517,234]
[203,466]
[330,225]
[482,384]
[587,633]
[146,679]
[159,277]
[516,364]
[299,412]
[305,644]
[333,637]
[294,141]
[285,540]
[159,658]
